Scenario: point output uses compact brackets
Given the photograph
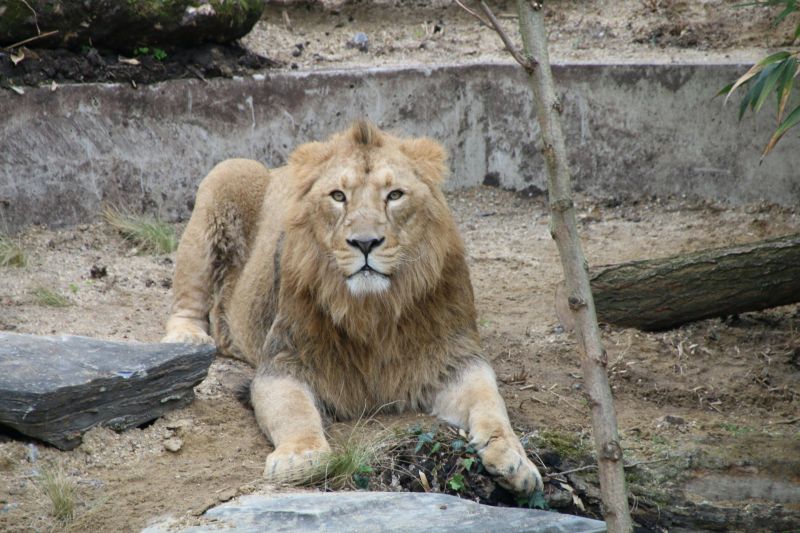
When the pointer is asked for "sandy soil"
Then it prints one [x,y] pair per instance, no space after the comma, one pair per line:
[729,386]
[403,32]
[718,399]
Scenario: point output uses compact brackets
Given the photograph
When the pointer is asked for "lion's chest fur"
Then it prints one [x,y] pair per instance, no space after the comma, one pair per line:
[356,356]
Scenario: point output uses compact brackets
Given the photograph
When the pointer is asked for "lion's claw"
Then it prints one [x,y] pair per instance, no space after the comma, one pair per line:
[505,458]
[289,465]
[186,336]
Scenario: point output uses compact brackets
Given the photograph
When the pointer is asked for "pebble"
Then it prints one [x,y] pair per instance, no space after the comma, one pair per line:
[360,41]
[173,444]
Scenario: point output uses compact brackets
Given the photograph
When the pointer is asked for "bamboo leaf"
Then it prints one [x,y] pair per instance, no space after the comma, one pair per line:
[756,69]
[785,85]
[724,90]
[755,91]
[790,8]
[769,83]
[792,120]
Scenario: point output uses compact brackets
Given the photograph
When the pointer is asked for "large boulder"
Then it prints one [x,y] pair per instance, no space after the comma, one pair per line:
[127,24]
[57,388]
[376,512]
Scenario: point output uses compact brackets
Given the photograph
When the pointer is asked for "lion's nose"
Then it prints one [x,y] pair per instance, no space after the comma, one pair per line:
[365,245]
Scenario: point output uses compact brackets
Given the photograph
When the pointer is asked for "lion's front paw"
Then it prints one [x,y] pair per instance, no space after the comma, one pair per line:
[188,336]
[294,464]
[505,457]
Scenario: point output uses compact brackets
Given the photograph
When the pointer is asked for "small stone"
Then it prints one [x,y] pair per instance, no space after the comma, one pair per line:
[674,420]
[180,424]
[359,41]
[173,444]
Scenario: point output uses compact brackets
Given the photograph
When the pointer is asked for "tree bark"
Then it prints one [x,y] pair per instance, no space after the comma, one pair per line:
[660,294]
[580,301]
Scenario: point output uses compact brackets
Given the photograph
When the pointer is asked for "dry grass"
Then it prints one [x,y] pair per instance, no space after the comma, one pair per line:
[60,490]
[148,234]
[11,253]
[355,455]
[50,298]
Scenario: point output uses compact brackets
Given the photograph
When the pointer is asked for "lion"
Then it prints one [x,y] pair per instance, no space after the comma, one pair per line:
[341,277]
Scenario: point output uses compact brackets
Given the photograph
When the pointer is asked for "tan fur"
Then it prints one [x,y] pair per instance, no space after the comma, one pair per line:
[272,259]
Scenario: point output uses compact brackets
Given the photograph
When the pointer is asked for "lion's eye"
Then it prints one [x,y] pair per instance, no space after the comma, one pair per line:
[338,196]
[394,195]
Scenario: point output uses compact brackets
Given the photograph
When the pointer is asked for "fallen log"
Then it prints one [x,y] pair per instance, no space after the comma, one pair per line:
[659,294]
[57,388]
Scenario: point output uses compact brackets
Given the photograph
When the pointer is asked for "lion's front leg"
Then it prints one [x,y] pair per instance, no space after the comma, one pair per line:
[474,403]
[286,412]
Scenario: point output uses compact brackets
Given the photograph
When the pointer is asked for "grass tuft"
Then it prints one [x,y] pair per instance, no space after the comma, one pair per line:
[11,253]
[50,298]
[354,458]
[60,490]
[148,234]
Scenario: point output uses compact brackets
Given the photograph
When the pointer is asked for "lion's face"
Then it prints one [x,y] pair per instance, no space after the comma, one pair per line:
[374,207]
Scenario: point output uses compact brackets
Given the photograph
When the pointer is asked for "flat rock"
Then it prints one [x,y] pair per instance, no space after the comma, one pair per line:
[377,512]
[57,388]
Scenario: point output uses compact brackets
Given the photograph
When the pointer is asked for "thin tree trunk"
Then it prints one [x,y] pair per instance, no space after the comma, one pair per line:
[664,293]
[564,231]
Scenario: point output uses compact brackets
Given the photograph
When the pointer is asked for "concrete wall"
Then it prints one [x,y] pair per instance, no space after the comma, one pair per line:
[633,130]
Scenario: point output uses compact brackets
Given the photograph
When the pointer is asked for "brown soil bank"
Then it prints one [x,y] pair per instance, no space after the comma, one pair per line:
[708,412]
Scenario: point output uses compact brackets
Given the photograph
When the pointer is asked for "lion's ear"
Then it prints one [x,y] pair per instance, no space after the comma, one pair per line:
[304,163]
[428,157]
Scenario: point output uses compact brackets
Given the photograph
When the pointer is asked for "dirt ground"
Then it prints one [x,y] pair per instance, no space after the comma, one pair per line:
[709,411]
[401,32]
[716,400]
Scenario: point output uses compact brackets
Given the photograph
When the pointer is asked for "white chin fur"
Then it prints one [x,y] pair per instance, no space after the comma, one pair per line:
[365,283]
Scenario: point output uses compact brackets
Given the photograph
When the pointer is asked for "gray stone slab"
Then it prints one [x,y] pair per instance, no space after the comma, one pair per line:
[57,388]
[378,512]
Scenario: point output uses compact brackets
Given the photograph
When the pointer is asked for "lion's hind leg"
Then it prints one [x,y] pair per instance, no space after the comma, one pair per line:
[473,402]
[212,250]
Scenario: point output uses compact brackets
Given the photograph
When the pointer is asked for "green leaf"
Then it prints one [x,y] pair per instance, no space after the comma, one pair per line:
[534,501]
[724,90]
[770,81]
[785,85]
[755,90]
[457,483]
[422,440]
[774,58]
[790,8]
[468,462]
[361,481]
[457,445]
[436,448]
[792,120]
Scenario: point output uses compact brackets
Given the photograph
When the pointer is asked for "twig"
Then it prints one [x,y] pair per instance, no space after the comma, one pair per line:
[31,39]
[592,467]
[35,16]
[790,421]
[572,471]
[528,63]
[474,14]
[557,395]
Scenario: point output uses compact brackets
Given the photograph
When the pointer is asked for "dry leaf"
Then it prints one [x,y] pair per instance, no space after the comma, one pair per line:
[17,90]
[17,57]
[424,480]
[128,60]
[53,86]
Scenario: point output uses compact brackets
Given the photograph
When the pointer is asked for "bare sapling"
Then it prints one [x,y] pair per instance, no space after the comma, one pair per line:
[534,58]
